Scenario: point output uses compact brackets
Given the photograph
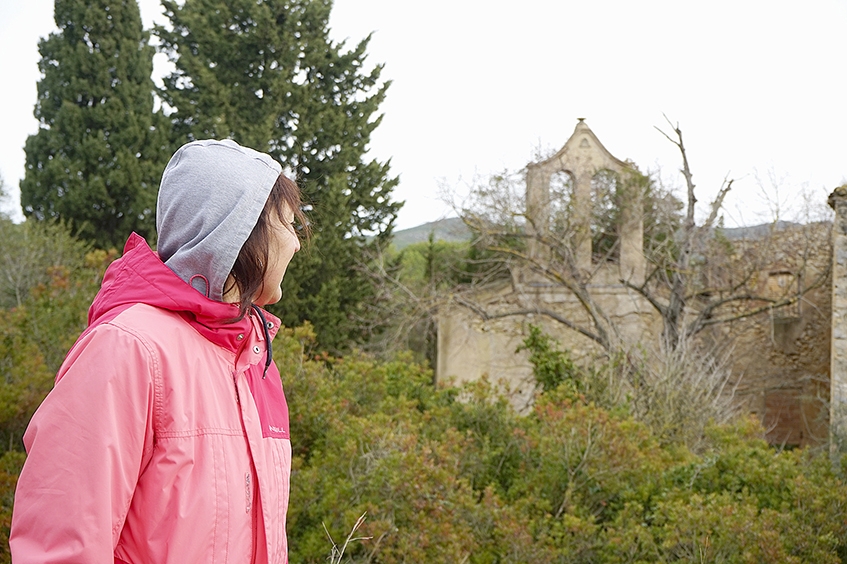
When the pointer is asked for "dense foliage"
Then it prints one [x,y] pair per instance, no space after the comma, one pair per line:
[43,308]
[96,159]
[451,474]
[267,75]
[596,472]
[412,283]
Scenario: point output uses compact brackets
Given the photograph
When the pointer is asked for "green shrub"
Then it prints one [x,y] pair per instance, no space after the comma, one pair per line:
[450,474]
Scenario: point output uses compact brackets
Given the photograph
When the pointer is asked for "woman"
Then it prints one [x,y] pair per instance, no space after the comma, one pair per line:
[165,438]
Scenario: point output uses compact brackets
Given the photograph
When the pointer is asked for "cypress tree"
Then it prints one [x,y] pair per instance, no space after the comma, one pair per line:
[100,149]
[265,73]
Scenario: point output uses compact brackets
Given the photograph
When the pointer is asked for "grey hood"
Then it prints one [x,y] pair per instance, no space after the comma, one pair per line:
[211,196]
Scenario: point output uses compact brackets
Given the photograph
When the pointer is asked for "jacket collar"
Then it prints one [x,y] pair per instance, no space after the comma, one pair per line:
[139,276]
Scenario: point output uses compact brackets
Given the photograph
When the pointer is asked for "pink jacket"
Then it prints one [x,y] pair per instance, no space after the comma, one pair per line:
[165,439]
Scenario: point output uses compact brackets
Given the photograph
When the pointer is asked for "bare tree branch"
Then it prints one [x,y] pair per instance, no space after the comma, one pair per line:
[726,186]
[486,316]
[705,319]
[647,295]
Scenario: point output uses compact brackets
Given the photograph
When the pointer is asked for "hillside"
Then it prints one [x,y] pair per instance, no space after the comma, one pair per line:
[451,229]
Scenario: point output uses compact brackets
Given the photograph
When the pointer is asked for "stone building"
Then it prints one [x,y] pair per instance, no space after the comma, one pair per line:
[780,358]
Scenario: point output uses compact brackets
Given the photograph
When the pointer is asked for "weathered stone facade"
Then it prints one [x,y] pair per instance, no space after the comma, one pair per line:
[470,348]
[780,359]
[581,158]
[838,359]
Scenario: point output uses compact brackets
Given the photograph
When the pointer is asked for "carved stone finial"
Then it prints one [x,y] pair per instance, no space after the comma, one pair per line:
[839,193]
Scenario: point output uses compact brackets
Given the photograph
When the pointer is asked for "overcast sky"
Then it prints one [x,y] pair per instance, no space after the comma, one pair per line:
[758,88]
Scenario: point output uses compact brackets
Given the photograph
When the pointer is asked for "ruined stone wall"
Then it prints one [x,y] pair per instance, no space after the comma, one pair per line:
[781,366]
[470,347]
[779,359]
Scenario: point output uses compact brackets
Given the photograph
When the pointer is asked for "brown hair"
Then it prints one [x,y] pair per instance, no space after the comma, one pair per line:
[251,265]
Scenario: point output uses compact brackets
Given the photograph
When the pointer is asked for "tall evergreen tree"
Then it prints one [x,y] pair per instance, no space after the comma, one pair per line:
[265,73]
[99,152]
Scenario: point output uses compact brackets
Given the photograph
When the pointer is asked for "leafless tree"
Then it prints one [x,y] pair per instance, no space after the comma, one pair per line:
[698,274]
[696,277]
[725,284]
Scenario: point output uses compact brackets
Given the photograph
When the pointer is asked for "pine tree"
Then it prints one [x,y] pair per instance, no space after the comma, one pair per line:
[266,74]
[100,149]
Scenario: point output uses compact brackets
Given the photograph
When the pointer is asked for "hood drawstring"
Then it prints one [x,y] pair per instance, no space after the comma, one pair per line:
[268,348]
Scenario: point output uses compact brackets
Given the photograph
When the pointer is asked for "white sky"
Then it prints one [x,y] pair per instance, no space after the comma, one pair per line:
[758,88]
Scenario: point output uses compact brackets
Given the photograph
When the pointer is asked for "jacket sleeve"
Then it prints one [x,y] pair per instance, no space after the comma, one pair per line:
[86,445]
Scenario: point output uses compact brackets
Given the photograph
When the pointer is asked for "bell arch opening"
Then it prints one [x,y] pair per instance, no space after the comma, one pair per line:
[606,216]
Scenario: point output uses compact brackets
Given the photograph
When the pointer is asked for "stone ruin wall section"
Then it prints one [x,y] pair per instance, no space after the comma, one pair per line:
[781,363]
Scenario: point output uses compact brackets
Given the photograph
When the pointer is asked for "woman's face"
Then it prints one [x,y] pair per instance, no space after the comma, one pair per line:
[283,244]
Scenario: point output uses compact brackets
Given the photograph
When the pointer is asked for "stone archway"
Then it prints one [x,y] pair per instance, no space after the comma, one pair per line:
[582,157]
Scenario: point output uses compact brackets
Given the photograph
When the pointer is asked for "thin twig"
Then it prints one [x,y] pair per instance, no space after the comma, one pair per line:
[337,554]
